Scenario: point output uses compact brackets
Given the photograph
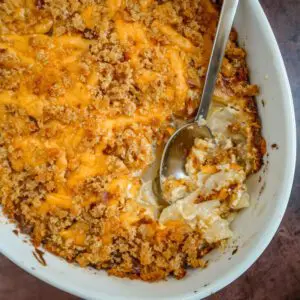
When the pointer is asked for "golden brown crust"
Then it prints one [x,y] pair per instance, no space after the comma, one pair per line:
[66,164]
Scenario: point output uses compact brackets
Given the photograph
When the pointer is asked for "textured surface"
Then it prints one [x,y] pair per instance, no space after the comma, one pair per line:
[276,275]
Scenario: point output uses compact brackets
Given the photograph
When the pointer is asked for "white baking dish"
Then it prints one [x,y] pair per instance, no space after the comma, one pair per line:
[254,227]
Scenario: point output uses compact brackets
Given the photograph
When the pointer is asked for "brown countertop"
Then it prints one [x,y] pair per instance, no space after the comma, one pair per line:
[276,274]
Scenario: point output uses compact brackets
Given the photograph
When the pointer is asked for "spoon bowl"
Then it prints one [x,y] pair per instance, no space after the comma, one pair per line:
[174,156]
[176,150]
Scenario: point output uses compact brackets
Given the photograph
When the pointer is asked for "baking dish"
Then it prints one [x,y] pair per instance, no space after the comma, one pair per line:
[253,228]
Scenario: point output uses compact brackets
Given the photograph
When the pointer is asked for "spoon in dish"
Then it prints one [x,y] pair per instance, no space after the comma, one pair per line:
[174,154]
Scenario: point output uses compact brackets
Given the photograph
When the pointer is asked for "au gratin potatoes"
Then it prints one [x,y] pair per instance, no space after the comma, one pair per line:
[89,90]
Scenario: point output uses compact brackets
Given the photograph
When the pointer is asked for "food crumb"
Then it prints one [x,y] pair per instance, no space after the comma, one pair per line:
[39,255]
[262,189]
[235,250]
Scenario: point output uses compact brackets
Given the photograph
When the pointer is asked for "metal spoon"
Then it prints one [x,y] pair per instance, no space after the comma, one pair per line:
[174,154]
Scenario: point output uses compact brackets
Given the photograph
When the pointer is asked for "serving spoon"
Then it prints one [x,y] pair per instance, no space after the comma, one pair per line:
[174,154]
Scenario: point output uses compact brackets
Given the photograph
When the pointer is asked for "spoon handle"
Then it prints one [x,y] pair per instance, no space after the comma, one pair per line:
[228,11]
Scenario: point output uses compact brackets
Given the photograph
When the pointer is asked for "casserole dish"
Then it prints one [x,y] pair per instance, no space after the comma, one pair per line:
[254,227]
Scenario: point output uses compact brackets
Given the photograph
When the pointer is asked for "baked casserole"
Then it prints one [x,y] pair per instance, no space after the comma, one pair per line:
[90,90]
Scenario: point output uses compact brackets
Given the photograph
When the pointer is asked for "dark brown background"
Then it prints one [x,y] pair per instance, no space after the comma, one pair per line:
[276,275]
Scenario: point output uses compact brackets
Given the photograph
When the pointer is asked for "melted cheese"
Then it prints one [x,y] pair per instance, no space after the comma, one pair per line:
[131,32]
[64,53]
[31,153]
[174,37]
[132,36]
[76,233]
[145,4]
[88,17]
[156,115]
[44,26]
[32,104]
[53,200]
[70,138]
[114,6]
[145,77]
[77,96]
[59,200]
[178,69]
[90,165]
